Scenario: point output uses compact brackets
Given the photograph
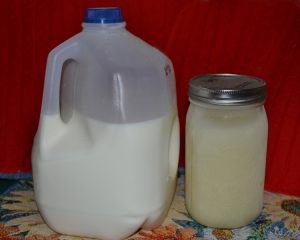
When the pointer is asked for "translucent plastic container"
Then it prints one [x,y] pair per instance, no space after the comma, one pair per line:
[106,152]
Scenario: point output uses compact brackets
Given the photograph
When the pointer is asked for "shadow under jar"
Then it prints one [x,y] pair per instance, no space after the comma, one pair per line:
[226,143]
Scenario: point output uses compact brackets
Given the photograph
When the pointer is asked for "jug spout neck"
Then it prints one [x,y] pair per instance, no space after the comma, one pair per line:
[103,26]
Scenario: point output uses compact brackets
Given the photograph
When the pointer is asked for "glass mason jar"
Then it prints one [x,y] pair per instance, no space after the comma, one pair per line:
[226,143]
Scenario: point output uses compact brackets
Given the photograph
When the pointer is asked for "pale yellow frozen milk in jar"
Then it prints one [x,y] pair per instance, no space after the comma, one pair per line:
[226,142]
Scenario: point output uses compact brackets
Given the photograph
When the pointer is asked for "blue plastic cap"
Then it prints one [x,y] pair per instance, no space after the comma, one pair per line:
[103,15]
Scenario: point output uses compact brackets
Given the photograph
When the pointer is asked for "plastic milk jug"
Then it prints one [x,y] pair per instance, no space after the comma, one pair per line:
[106,151]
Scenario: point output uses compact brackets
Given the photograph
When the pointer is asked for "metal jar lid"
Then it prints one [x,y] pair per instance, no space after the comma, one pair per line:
[227,89]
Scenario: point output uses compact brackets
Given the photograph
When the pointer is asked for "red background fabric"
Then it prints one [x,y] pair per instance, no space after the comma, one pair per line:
[255,37]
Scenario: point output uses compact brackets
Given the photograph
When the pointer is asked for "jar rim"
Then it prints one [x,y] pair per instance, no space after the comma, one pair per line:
[206,105]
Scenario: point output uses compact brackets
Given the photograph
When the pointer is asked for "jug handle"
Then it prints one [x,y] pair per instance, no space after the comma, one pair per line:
[51,98]
[56,58]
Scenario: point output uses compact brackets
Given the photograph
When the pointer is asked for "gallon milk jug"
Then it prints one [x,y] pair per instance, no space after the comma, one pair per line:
[106,151]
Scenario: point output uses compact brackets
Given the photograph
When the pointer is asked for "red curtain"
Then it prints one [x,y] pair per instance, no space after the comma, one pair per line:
[255,37]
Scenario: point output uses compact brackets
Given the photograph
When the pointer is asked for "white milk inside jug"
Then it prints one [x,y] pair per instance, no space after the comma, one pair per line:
[105,155]
[109,157]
